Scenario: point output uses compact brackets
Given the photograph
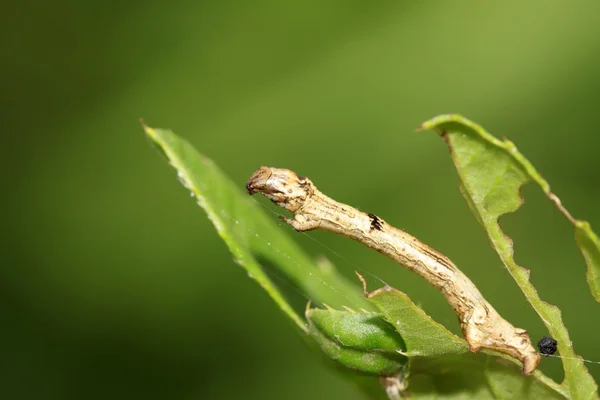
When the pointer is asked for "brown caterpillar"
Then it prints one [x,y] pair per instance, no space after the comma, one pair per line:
[481,324]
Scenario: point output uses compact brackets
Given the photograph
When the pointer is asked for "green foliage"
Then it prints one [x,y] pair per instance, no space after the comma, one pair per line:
[440,360]
[491,174]
[475,376]
[361,341]
[367,342]
[358,330]
[590,247]
[423,336]
[241,223]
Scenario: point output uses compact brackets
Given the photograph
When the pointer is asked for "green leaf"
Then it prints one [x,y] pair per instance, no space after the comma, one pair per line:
[505,382]
[423,336]
[357,330]
[440,362]
[587,240]
[253,238]
[475,376]
[492,172]
[358,340]
[590,247]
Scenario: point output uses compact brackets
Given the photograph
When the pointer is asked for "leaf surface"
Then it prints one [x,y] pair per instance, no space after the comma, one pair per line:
[423,336]
[491,174]
[357,338]
[441,365]
[253,237]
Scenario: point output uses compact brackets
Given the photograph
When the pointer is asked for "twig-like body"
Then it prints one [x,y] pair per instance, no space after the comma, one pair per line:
[481,324]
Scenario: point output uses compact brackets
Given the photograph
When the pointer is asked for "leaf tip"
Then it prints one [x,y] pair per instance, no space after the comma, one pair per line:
[148,130]
[435,122]
[386,288]
[582,225]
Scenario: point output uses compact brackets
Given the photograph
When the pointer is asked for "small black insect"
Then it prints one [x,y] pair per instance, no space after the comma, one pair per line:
[547,346]
[376,222]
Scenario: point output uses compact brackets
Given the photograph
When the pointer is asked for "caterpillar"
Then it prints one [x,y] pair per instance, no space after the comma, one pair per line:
[481,324]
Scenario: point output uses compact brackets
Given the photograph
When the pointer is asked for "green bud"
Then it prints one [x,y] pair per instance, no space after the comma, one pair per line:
[358,340]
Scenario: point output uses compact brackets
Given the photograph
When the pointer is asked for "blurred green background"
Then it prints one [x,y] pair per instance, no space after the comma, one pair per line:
[114,283]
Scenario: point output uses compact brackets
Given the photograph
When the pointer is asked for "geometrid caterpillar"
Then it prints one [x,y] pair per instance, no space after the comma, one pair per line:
[481,325]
